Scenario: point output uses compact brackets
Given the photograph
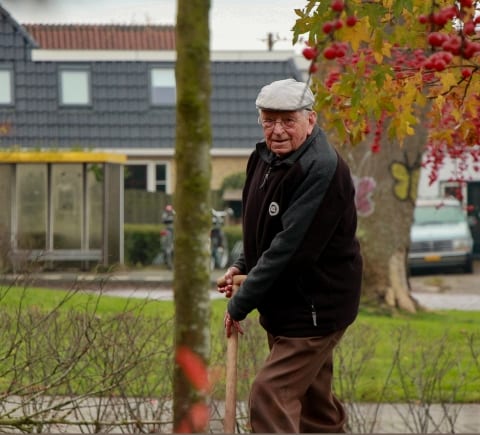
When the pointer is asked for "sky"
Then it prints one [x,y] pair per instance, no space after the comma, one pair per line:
[234,24]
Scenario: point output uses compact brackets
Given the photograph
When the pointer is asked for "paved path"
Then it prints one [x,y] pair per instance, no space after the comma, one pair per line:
[438,301]
[453,292]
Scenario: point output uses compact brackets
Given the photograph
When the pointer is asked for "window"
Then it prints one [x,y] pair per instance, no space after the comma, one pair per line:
[162,85]
[136,177]
[161,178]
[151,177]
[6,86]
[455,189]
[75,87]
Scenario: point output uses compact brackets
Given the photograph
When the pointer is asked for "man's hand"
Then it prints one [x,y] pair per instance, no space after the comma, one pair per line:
[225,284]
[231,325]
[229,284]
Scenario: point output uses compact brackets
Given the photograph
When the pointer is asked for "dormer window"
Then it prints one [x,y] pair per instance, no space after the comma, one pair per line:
[162,87]
[75,86]
[6,86]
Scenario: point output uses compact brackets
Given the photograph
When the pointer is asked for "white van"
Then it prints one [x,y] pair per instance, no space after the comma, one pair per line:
[440,237]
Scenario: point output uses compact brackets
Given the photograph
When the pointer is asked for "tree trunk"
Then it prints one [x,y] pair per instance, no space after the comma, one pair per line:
[386,184]
[192,203]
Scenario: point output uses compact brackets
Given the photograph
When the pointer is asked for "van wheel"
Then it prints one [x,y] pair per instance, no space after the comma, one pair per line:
[468,265]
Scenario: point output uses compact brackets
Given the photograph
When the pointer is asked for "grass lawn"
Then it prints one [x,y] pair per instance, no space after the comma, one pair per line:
[429,356]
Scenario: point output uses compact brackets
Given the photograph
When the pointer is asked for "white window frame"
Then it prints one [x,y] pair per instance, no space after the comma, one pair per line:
[6,88]
[77,74]
[162,79]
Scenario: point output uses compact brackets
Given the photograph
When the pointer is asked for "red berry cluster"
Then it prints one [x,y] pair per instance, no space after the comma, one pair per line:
[447,46]
[335,49]
[376,146]
[458,147]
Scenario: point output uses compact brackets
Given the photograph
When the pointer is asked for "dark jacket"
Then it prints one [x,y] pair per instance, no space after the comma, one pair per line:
[300,251]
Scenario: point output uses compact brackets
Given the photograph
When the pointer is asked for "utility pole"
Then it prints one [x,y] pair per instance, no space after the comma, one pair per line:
[272,39]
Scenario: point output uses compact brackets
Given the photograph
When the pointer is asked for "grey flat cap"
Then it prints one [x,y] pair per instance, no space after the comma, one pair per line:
[285,95]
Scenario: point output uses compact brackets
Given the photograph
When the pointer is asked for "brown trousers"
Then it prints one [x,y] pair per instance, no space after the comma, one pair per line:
[292,392]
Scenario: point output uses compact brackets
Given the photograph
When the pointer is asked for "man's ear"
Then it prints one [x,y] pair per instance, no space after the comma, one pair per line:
[312,120]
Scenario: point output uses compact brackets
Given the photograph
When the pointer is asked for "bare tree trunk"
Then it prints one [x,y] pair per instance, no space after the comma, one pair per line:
[192,198]
[387,184]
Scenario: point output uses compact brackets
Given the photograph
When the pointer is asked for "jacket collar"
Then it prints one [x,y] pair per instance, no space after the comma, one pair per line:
[268,157]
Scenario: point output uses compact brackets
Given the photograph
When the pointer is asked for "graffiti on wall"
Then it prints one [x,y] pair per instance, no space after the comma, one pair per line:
[405,176]
[364,188]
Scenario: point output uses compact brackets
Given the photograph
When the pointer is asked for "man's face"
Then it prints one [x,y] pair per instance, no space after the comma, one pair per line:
[286,131]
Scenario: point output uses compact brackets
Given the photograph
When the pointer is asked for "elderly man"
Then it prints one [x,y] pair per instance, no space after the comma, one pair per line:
[302,261]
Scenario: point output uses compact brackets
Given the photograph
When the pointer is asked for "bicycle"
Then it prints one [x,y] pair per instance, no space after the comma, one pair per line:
[220,255]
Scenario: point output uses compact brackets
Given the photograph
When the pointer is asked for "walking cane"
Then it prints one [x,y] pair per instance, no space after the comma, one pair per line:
[231,384]
[230,418]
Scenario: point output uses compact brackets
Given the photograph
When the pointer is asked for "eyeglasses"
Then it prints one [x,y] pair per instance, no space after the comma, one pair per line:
[285,123]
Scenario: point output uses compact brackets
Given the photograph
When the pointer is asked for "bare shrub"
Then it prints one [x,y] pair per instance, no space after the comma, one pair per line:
[431,379]
[75,368]
[353,355]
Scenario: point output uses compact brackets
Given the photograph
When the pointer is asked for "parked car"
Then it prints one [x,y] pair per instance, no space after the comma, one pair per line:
[440,236]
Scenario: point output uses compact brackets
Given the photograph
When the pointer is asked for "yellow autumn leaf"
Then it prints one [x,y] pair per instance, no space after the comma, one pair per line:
[378,57]
[357,34]
[448,80]
[386,49]
[456,115]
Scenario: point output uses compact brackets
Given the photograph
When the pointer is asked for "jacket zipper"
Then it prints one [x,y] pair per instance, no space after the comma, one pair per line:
[265,177]
[309,301]
[314,315]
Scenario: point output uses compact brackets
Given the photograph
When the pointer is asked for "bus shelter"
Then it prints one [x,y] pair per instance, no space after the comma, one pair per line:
[61,207]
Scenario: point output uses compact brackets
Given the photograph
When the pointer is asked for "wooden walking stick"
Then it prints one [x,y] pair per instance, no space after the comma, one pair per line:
[230,417]
[231,384]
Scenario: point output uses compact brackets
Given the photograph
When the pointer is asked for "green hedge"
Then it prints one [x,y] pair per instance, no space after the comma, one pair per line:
[142,242]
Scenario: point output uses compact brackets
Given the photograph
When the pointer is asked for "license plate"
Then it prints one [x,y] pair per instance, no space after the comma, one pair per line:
[432,258]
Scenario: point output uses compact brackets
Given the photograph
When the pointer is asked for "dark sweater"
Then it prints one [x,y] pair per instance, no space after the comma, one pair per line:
[300,251]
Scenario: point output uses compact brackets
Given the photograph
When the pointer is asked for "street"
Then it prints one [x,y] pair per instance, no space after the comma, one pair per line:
[449,290]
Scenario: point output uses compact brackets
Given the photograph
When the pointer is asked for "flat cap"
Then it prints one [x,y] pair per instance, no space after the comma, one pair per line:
[287,95]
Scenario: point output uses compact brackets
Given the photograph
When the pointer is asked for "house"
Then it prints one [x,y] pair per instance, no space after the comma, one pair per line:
[107,90]
[112,88]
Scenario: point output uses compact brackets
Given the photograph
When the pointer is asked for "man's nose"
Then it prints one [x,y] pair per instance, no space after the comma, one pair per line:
[278,122]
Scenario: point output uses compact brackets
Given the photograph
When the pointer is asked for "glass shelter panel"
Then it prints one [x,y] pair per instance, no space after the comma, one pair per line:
[67,205]
[32,198]
[95,175]
[5,201]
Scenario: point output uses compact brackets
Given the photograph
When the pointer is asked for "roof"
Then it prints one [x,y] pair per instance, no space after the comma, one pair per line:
[102,36]
[6,15]
[121,116]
